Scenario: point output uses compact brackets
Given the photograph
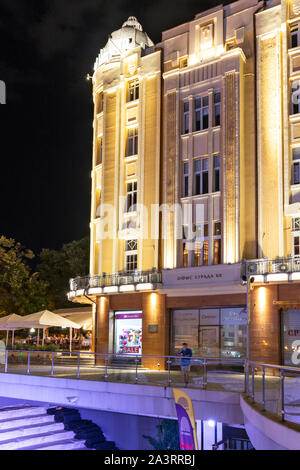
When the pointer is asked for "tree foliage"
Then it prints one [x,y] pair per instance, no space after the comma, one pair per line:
[21,290]
[58,266]
[167,436]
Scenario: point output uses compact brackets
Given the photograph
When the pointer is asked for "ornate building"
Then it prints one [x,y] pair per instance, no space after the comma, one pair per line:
[196,186]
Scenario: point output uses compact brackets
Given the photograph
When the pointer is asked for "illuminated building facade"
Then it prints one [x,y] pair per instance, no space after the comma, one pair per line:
[196,168]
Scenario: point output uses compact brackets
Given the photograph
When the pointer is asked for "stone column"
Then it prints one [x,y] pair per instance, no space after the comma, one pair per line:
[102,329]
[264,326]
[155,330]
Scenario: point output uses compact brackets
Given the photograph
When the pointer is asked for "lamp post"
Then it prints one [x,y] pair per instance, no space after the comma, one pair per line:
[246,279]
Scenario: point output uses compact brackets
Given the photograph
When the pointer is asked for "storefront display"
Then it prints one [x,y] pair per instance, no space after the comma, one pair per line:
[210,332]
[290,327]
[128,332]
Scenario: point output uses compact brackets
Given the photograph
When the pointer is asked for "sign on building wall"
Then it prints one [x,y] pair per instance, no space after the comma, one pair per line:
[201,276]
[234,316]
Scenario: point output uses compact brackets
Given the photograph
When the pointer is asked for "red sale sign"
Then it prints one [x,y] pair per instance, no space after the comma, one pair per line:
[131,349]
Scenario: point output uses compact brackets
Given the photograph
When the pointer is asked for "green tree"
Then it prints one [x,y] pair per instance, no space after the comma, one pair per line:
[58,266]
[167,436]
[21,291]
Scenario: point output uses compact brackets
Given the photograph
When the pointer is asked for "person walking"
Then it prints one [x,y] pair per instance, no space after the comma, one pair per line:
[186,354]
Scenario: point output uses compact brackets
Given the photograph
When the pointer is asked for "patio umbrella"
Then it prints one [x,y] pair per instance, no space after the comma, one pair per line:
[45,319]
[85,320]
[6,325]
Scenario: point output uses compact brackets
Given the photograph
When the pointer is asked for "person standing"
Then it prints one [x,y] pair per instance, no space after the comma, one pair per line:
[186,354]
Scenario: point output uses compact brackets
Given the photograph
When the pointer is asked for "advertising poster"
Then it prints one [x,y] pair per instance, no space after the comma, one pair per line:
[186,420]
[129,333]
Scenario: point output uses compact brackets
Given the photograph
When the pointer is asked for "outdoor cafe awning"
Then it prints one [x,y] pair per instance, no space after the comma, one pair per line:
[85,320]
[43,319]
[6,323]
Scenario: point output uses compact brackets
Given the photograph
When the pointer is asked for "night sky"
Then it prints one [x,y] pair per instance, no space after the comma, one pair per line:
[47,48]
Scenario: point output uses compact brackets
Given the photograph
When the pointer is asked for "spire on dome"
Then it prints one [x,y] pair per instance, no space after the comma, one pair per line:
[128,37]
[132,22]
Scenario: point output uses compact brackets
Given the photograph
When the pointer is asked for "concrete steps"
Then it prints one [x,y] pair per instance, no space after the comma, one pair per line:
[68,444]
[28,427]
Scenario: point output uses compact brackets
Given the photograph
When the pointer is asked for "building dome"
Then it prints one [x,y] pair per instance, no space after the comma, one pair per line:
[128,37]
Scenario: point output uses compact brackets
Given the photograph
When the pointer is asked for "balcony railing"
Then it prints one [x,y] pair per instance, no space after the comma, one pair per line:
[116,279]
[264,266]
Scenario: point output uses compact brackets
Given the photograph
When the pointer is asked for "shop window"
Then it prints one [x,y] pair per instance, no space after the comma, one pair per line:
[132,142]
[295,97]
[217,109]
[201,113]
[296,166]
[294,35]
[131,196]
[128,332]
[290,330]
[201,176]
[130,255]
[217,173]
[210,332]
[217,243]
[185,183]
[133,90]
[185,126]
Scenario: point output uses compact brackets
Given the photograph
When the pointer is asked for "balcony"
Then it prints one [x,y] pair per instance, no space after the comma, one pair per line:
[115,283]
[267,270]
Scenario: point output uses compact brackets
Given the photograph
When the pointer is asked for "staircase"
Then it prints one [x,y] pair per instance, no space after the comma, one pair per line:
[37,428]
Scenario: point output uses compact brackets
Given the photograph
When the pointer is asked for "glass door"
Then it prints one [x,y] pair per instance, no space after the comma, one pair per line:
[209,341]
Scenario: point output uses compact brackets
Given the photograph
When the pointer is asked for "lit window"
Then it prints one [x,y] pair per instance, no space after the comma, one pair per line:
[133,90]
[217,172]
[296,236]
[201,113]
[185,184]
[200,245]
[99,151]
[132,142]
[296,224]
[217,109]
[185,129]
[130,255]
[217,243]
[201,176]
[131,196]
[294,34]
[296,166]
[295,97]
[99,103]
[185,254]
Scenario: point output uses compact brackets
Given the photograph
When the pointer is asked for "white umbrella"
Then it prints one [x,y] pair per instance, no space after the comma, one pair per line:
[85,320]
[45,319]
[6,324]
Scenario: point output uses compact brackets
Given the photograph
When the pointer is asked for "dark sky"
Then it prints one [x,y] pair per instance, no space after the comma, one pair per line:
[47,48]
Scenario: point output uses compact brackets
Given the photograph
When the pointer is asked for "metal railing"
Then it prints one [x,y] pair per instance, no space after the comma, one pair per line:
[161,370]
[116,279]
[263,266]
[272,392]
[275,388]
